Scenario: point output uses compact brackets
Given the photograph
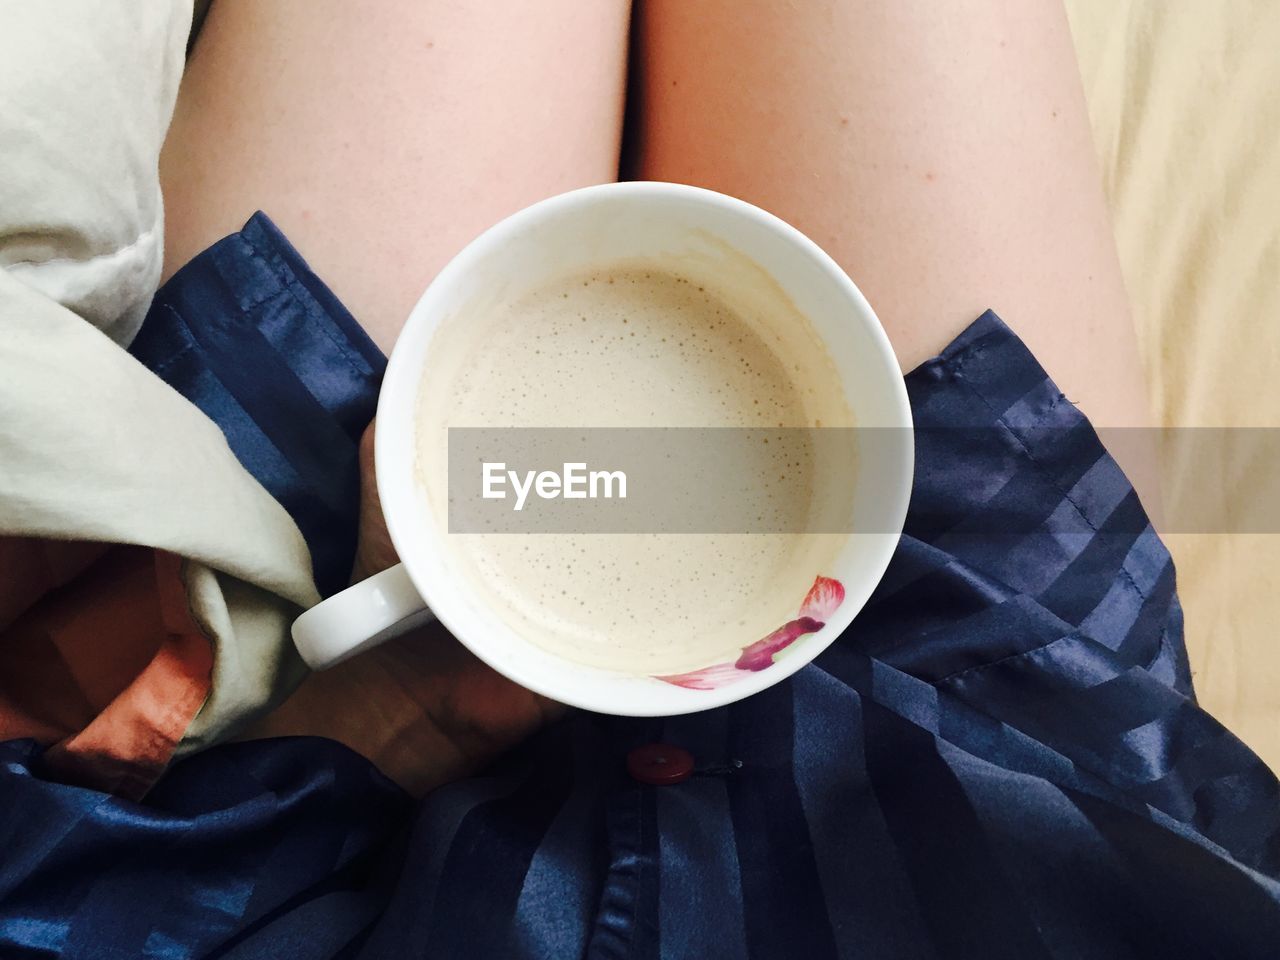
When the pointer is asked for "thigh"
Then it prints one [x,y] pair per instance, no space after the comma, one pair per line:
[941,152]
[382,136]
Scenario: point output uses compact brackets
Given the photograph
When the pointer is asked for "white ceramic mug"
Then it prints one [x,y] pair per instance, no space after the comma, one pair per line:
[597,225]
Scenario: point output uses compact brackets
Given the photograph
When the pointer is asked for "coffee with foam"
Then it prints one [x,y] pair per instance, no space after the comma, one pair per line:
[638,344]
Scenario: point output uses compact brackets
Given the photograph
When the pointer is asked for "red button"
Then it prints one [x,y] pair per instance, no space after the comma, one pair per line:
[660,763]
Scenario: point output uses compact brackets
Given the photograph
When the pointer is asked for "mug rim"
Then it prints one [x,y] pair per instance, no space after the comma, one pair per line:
[392,493]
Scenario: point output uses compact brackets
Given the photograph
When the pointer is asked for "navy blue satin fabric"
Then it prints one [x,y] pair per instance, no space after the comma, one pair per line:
[1002,758]
[251,336]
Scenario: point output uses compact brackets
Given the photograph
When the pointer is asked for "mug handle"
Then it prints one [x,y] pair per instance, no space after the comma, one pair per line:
[359,617]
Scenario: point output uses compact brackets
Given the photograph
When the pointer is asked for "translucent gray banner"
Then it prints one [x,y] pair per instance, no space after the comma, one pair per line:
[794,480]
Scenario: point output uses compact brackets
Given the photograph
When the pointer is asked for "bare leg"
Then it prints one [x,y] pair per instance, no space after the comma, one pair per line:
[382,136]
[941,152]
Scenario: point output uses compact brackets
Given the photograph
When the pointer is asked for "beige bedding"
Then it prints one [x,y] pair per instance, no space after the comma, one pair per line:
[1185,103]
